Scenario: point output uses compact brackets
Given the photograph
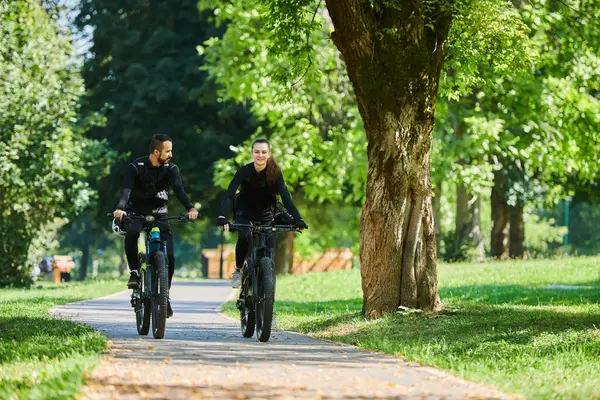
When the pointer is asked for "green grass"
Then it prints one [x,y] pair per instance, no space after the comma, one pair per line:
[500,325]
[42,357]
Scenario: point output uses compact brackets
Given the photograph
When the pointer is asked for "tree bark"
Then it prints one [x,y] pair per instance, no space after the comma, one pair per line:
[500,218]
[394,54]
[517,247]
[284,253]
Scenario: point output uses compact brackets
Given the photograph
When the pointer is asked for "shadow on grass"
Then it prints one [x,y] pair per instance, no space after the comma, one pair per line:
[320,315]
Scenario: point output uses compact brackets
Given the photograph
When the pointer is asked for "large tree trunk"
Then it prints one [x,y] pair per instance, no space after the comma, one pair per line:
[394,58]
[517,247]
[500,218]
[468,222]
[284,253]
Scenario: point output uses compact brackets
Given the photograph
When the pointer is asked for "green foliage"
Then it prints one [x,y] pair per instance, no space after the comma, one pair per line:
[332,225]
[314,125]
[584,219]
[45,242]
[488,39]
[44,161]
[143,77]
[502,325]
[455,247]
[537,125]
[42,357]
[287,28]
[316,131]
[511,94]
[542,235]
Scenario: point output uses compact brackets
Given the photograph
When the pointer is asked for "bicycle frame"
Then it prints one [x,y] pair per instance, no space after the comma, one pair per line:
[147,246]
[258,250]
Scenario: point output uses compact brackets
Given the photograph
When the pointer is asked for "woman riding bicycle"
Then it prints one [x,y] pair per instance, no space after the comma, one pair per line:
[260,182]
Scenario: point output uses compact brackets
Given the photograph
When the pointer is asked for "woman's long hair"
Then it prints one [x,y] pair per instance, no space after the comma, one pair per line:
[272,169]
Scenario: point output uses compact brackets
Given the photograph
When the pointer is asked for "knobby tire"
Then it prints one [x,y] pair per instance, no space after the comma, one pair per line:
[160,294]
[266,297]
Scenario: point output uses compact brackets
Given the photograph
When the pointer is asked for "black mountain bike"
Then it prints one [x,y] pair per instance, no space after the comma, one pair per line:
[150,299]
[257,295]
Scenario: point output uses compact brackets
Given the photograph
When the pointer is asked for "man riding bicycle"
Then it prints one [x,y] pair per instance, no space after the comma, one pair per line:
[146,192]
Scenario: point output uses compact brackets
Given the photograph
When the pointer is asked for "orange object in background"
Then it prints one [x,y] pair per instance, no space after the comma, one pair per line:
[61,268]
[330,260]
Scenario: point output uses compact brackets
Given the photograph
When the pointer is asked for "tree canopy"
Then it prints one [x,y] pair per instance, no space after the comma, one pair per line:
[44,160]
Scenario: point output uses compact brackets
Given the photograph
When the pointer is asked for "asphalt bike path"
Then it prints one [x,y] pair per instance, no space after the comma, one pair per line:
[204,356]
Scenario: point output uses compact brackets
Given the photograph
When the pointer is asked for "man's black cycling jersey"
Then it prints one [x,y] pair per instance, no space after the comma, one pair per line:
[146,187]
[255,196]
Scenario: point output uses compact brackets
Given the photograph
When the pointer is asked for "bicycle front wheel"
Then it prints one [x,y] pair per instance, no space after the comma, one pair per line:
[160,294]
[246,306]
[265,298]
[142,305]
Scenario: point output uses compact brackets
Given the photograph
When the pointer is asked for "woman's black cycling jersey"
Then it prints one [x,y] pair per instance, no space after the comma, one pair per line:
[255,196]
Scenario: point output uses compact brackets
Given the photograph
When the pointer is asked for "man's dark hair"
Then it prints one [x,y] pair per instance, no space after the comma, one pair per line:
[157,142]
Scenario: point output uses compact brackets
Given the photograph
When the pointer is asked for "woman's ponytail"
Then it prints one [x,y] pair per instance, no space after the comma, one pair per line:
[273,171]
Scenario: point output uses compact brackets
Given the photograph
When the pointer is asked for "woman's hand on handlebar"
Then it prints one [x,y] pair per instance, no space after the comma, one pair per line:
[300,225]
[192,214]
[119,214]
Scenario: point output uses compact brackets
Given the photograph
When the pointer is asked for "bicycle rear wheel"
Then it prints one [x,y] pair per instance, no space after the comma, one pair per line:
[142,305]
[265,298]
[160,294]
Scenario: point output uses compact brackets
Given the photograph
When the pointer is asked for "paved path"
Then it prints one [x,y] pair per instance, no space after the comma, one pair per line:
[204,356]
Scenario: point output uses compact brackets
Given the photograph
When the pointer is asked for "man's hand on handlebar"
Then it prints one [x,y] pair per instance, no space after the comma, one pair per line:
[222,222]
[119,214]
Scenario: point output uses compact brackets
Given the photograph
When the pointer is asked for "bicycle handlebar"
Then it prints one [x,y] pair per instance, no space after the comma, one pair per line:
[153,218]
[264,228]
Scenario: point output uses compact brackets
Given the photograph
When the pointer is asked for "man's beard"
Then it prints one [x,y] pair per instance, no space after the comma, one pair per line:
[164,161]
